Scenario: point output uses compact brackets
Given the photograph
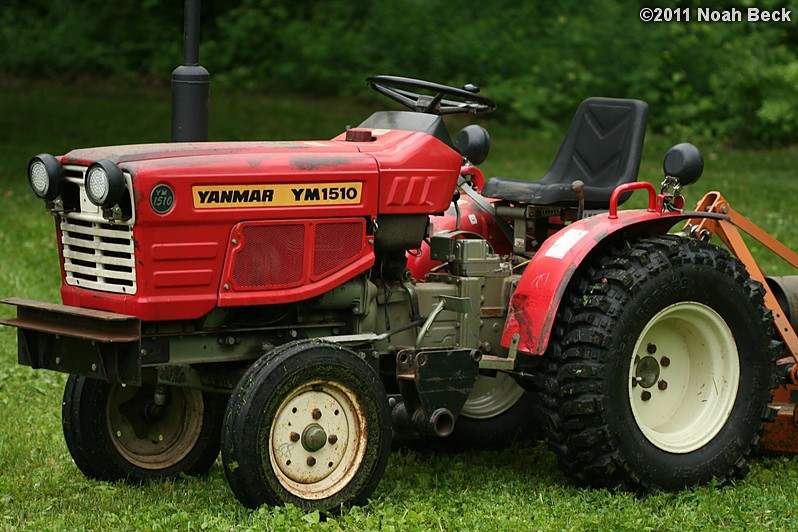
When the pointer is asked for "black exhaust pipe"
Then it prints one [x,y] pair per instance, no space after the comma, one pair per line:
[439,423]
[190,84]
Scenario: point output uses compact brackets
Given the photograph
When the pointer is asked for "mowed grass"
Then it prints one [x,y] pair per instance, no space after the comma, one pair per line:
[517,489]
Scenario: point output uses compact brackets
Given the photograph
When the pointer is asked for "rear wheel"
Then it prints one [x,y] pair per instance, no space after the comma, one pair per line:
[497,413]
[134,433]
[308,424]
[664,362]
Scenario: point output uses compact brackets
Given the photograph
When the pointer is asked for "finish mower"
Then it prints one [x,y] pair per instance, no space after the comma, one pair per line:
[300,304]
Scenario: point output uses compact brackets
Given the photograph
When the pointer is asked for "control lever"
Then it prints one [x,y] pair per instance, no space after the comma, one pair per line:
[579,189]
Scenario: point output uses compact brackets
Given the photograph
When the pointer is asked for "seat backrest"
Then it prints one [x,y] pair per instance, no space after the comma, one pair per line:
[603,145]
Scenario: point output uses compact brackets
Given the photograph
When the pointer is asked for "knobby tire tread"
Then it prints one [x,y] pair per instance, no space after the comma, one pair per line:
[574,404]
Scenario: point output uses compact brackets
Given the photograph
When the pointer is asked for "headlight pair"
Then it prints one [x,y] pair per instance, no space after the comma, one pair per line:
[105,183]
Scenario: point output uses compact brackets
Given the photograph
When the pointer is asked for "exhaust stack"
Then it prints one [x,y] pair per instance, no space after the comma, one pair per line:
[190,84]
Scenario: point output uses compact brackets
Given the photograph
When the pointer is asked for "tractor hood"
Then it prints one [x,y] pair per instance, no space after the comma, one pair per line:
[187,153]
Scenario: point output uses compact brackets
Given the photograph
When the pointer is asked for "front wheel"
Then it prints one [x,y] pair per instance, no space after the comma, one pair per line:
[664,364]
[308,424]
[117,432]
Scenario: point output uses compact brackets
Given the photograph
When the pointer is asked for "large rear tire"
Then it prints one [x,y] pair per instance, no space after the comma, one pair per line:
[664,361]
[308,424]
[117,432]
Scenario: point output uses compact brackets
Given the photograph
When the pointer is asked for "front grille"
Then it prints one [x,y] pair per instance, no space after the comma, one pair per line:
[336,245]
[98,254]
[271,256]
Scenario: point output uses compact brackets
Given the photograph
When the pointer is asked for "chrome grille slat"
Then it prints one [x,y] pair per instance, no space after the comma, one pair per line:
[97,230]
[98,258]
[96,272]
[103,246]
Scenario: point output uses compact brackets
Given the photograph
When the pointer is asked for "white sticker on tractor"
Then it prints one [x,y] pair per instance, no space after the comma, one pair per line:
[565,243]
[473,219]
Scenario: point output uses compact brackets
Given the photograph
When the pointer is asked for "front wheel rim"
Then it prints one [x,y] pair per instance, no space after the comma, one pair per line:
[148,441]
[317,442]
[684,377]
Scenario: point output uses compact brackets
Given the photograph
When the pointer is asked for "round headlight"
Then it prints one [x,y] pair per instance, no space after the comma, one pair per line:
[105,184]
[45,176]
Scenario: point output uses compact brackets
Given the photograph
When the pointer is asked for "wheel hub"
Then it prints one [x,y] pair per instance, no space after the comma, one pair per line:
[313,438]
[647,372]
[314,441]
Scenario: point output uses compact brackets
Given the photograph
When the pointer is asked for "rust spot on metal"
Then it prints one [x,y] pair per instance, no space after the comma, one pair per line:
[781,435]
[88,324]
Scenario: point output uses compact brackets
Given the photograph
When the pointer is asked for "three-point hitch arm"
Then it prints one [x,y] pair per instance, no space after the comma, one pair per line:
[727,228]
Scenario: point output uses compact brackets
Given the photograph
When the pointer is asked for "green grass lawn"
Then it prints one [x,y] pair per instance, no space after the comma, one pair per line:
[517,489]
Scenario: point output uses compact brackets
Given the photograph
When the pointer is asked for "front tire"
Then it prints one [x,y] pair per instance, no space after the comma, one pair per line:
[116,432]
[664,362]
[308,424]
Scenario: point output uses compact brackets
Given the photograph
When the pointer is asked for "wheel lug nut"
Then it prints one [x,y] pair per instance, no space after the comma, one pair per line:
[316,413]
[311,461]
[665,361]
[646,395]
[294,437]
[332,439]
[662,385]
[651,349]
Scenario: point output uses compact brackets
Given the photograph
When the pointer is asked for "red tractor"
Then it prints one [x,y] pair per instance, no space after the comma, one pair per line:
[300,304]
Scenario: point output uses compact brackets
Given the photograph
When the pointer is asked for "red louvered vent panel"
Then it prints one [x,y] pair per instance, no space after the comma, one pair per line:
[337,244]
[271,256]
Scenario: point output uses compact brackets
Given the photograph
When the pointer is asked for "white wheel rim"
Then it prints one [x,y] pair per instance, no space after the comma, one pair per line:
[684,376]
[158,443]
[316,408]
[492,396]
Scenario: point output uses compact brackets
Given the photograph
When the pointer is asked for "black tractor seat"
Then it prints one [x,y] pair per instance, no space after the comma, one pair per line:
[602,149]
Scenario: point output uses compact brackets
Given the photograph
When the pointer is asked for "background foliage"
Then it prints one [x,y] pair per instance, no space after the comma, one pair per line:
[735,82]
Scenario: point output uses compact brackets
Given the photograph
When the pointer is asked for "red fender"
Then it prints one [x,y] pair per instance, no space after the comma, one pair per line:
[534,304]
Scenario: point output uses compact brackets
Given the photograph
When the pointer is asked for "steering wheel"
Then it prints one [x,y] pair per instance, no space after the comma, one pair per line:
[466,100]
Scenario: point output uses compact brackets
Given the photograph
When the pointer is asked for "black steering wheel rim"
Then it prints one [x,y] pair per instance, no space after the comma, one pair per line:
[466,101]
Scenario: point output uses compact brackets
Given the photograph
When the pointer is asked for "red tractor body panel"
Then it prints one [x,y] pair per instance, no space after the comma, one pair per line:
[263,222]
[417,172]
